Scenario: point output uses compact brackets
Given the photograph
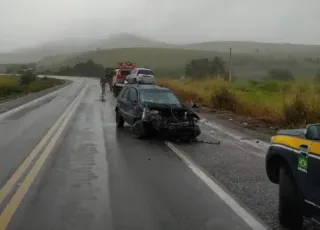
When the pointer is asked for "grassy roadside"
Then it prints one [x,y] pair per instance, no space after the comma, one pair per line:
[10,86]
[281,104]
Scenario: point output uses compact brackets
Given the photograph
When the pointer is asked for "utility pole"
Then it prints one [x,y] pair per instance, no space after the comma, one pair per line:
[230,69]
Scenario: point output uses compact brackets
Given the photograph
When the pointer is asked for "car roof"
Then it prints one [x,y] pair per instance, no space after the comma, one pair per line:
[147,86]
[142,68]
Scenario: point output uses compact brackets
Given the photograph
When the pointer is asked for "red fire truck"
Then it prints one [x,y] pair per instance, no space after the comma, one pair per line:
[119,76]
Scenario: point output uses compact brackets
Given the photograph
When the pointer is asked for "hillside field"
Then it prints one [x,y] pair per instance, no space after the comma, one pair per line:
[280,104]
[171,62]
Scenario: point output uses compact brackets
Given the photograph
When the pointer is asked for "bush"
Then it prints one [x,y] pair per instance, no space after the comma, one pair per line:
[280,75]
[295,112]
[282,104]
[11,85]
[27,77]
[224,99]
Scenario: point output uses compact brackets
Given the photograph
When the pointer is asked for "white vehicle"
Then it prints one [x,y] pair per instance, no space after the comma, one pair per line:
[141,75]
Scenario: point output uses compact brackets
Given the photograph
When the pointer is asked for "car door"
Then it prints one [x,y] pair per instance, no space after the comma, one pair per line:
[123,104]
[308,165]
[132,104]
[312,171]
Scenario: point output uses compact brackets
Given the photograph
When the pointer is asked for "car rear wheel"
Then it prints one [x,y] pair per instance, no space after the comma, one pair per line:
[290,201]
[119,120]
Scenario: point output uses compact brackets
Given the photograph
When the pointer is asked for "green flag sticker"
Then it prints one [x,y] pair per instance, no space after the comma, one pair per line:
[303,163]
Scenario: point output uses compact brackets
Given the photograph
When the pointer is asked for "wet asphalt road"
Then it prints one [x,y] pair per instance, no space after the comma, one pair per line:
[99,177]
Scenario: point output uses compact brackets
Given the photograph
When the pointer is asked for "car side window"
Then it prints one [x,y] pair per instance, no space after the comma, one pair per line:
[133,95]
[125,94]
[314,133]
[121,93]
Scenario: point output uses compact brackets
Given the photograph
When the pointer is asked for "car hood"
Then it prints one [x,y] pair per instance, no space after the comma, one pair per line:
[292,132]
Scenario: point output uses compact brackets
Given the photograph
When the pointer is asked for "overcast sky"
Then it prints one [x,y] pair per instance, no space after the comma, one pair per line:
[30,22]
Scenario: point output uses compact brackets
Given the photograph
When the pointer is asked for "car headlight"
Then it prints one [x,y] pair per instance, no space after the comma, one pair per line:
[271,140]
[145,113]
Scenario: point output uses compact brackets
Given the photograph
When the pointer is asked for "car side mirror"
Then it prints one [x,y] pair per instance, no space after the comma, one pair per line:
[313,132]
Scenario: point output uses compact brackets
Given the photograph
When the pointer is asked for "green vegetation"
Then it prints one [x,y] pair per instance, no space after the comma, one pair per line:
[16,68]
[280,103]
[12,86]
[88,69]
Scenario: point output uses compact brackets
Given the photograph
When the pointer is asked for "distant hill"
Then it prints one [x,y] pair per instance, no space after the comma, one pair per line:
[75,46]
[125,40]
[257,47]
[172,61]
[248,58]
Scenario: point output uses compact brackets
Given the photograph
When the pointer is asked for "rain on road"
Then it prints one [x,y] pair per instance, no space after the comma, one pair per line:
[65,165]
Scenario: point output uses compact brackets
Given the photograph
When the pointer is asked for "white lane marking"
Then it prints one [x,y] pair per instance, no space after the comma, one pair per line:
[262,144]
[30,103]
[236,207]
[230,142]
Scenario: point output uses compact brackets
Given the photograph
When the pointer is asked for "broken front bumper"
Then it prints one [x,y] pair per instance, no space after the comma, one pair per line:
[181,130]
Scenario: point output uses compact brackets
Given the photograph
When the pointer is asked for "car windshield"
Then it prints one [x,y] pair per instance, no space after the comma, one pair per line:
[145,71]
[125,72]
[158,97]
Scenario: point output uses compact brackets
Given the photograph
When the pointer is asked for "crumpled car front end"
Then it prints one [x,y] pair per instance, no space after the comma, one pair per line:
[173,122]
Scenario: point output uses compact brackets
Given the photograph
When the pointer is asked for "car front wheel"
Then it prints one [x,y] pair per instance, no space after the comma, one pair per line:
[139,130]
[119,120]
[290,201]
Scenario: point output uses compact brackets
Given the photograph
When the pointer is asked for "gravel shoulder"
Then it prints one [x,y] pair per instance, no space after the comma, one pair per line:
[13,103]
[248,126]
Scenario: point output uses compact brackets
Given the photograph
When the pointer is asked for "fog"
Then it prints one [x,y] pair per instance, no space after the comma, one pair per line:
[27,23]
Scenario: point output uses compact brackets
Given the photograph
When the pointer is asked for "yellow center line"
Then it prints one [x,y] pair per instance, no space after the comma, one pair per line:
[12,206]
[15,201]
[5,190]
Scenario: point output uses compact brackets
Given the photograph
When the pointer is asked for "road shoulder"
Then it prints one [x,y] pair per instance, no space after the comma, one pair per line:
[249,127]
[13,103]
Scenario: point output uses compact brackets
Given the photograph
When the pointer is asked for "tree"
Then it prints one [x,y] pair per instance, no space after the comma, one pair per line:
[217,67]
[27,76]
[317,77]
[280,74]
[199,68]
[88,68]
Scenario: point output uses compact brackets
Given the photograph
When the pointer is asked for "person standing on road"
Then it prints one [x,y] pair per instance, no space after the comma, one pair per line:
[103,82]
[109,76]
